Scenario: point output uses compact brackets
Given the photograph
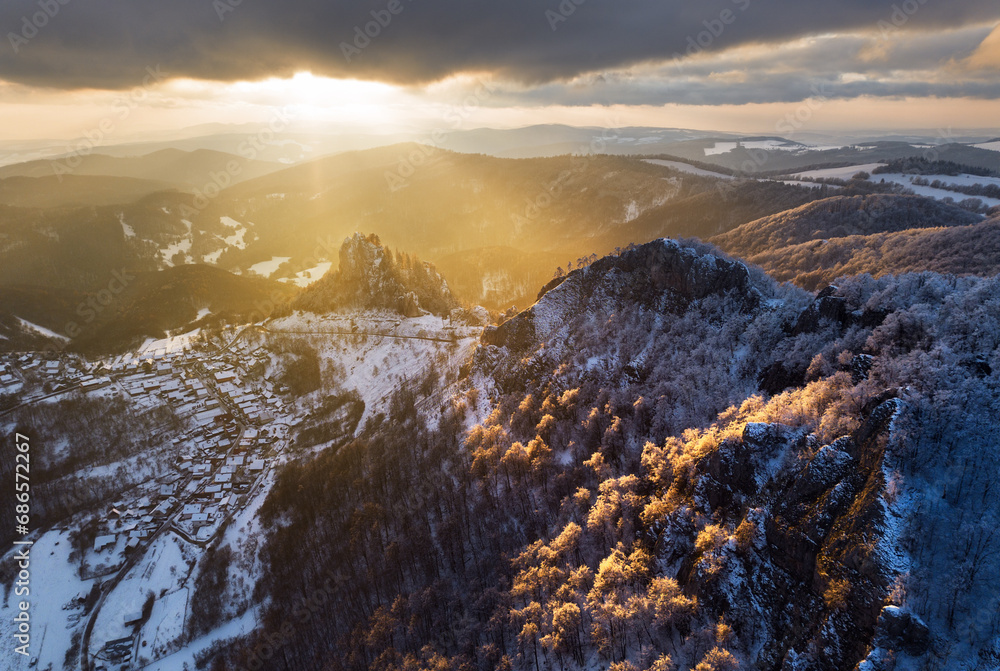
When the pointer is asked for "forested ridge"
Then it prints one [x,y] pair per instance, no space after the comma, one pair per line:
[669,462]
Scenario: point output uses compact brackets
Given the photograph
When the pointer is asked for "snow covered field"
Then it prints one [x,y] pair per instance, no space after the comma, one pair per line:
[268,268]
[310,275]
[385,351]
[940,194]
[689,169]
[769,145]
[848,172]
[41,330]
[55,587]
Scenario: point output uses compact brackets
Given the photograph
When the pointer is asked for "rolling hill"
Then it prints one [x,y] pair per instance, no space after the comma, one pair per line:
[954,250]
[76,190]
[882,234]
[839,217]
[184,169]
[154,304]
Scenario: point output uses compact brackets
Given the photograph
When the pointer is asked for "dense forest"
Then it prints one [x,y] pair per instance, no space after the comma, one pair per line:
[670,461]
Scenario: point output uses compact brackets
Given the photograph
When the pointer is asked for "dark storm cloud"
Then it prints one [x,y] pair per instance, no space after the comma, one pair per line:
[109,43]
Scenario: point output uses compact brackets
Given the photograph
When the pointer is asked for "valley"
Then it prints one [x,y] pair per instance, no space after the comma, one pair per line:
[589,412]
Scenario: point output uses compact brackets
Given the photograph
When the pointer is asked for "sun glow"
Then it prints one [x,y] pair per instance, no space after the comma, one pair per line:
[306,97]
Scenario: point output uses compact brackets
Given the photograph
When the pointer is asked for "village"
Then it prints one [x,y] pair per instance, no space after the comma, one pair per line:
[218,421]
[234,429]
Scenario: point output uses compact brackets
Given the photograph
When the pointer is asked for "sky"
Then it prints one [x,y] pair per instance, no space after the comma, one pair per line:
[123,68]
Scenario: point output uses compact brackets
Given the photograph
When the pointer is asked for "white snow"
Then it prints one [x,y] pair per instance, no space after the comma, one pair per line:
[991,146]
[690,169]
[54,584]
[237,627]
[838,173]
[164,570]
[907,181]
[41,330]
[373,364]
[154,348]
[310,275]
[268,268]
[770,145]
[808,185]
[238,238]
[214,256]
[126,229]
[182,245]
[940,194]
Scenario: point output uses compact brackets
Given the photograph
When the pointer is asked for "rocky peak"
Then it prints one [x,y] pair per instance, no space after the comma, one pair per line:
[661,275]
[372,276]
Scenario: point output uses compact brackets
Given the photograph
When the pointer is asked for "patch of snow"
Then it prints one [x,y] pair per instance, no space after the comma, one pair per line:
[940,194]
[768,145]
[183,245]
[239,626]
[213,257]
[238,238]
[689,169]
[991,146]
[268,268]
[126,229]
[846,172]
[54,584]
[309,275]
[41,330]
[164,569]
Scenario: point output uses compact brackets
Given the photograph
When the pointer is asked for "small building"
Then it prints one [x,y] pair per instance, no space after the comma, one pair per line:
[225,376]
[102,542]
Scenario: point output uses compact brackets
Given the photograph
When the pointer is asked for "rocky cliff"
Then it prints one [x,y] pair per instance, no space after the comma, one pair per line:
[371,276]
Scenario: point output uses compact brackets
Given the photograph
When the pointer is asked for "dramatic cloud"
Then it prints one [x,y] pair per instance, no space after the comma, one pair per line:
[898,64]
[110,43]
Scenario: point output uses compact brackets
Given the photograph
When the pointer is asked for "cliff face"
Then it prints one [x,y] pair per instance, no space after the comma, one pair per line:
[371,276]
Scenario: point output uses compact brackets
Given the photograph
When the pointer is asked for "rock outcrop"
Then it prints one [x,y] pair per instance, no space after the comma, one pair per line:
[371,276]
